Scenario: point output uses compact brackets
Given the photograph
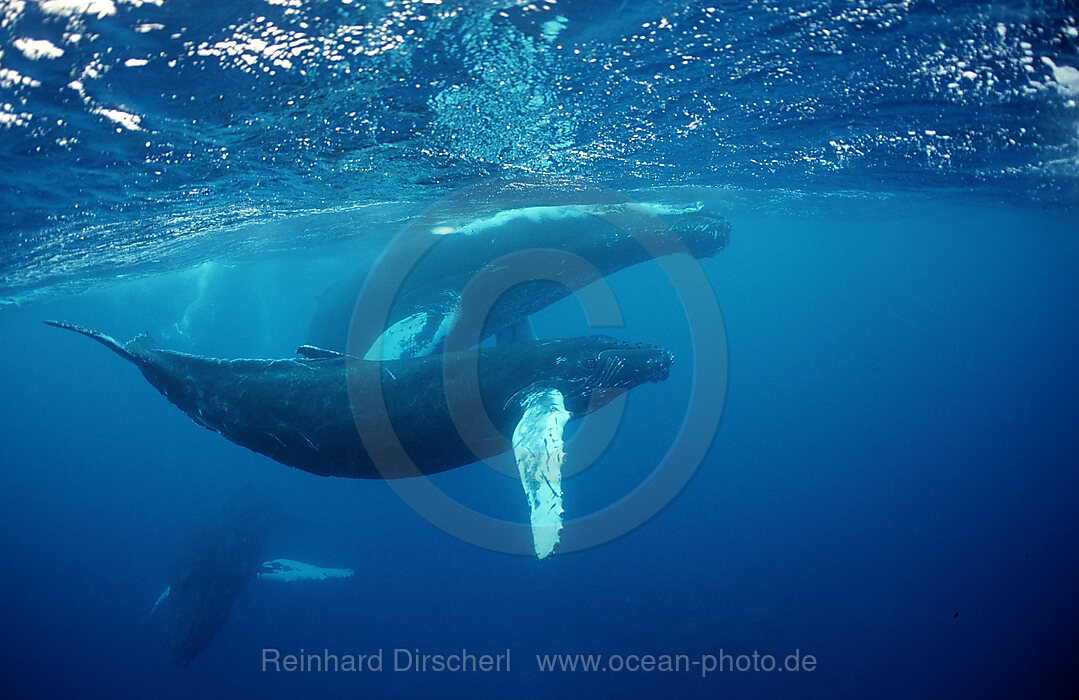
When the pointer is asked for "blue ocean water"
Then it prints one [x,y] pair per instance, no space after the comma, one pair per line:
[892,487]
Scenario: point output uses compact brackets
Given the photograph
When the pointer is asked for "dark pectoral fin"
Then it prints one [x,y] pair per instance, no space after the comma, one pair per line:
[520,332]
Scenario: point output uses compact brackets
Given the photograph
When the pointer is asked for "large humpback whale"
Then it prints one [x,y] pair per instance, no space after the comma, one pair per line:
[435,262]
[309,412]
[219,558]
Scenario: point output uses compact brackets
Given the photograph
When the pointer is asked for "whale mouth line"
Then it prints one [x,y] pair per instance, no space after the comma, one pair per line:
[631,366]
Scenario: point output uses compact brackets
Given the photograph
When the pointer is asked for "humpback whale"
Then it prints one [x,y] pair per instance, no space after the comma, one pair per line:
[214,566]
[318,411]
[432,264]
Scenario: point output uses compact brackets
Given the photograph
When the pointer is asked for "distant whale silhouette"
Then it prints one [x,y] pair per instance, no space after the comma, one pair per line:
[215,565]
[308,412]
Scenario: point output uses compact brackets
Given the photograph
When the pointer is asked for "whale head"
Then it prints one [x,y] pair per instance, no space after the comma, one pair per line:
[630,365]
[608,363]
[588,372]
[703,231]
[592,371]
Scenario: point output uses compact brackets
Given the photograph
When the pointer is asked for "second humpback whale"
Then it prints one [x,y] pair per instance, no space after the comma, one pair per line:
[214,566]
[318,412]
[436,266]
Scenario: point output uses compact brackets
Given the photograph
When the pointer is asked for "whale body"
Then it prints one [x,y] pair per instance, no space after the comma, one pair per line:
[436,268]
[324,412]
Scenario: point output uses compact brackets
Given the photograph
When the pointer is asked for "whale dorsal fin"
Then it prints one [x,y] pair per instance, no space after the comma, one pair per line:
[141,344]
[313,353]
[291,570]
[537,447]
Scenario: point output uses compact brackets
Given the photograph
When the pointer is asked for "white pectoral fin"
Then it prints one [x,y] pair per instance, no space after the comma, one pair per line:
[416,335]
[291,570]
[161,598]
[537,447]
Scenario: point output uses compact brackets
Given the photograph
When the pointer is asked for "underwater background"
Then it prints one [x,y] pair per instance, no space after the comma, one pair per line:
[892,488]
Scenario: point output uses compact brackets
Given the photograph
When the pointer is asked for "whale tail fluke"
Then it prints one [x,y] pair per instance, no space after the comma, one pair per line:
[125,351]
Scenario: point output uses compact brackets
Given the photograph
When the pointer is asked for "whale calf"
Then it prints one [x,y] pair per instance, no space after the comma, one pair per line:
[309,411]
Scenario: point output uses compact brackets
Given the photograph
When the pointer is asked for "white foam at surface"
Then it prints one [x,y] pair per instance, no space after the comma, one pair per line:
[98,8]
[9,117]
[127,120]
[1066,77]
[12,78]
[38,48]
[551,29]
[71,8]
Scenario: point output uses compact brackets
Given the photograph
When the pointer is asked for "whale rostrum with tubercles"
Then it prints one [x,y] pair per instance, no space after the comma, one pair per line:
[326,413]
